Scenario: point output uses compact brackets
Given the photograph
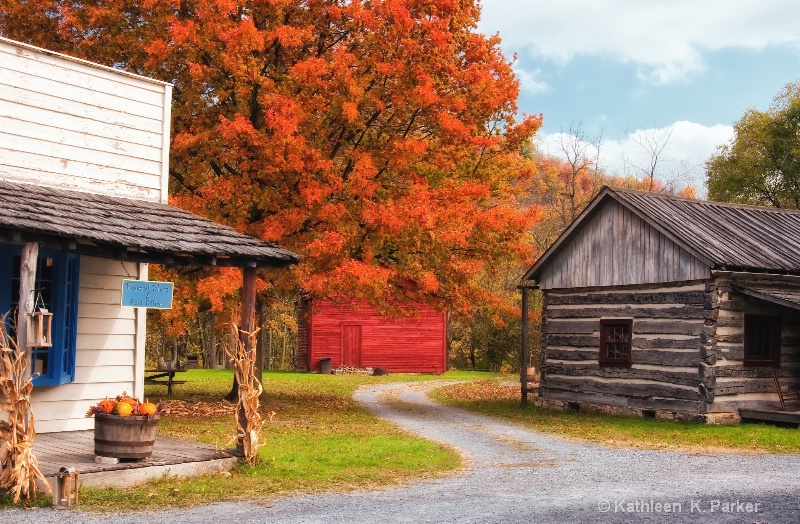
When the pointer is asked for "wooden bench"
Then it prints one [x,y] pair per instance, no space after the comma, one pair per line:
[168,374]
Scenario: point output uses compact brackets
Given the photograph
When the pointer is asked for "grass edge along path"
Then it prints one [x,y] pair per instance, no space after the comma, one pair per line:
[319,440]
[497,400]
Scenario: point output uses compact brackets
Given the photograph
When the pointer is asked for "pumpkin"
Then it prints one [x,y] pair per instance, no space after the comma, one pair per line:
[148,408]
[123,409]
[106,406]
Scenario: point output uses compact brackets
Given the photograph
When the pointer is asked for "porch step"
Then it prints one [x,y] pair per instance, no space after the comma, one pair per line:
[781,417]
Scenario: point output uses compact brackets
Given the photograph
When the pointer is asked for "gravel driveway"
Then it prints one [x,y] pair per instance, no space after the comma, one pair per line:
[517,475]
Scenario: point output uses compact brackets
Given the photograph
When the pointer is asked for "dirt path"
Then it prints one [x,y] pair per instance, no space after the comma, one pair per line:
[514,475]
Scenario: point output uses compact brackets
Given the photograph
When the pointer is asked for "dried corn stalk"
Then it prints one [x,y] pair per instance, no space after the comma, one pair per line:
[248,420]
[19,468]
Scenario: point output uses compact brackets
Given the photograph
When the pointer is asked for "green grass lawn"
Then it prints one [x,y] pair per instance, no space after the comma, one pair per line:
[318,440]
[491,398]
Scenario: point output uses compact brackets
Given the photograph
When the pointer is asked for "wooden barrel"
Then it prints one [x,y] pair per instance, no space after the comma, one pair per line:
[124,437]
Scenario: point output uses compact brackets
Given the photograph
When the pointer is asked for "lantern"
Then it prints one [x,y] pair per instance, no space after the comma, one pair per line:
[65,495]
[40,329]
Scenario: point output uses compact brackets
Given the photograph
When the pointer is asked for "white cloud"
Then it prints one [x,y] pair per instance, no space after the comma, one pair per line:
[666,39]
[688,146]
[529,82]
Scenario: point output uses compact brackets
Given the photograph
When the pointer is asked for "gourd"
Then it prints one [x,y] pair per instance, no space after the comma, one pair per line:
[123,409]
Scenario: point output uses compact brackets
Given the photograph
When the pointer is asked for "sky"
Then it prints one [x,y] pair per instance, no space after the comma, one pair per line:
[622,72]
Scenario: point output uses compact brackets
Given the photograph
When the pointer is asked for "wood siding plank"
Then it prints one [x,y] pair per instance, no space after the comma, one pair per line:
[104,348]
[616,247]
[69,124]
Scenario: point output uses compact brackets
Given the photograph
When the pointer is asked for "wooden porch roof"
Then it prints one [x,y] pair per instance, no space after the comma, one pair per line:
[127,229]
[725,236]
[785,294]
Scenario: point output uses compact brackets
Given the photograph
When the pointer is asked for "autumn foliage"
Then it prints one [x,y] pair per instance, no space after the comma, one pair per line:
[378,139]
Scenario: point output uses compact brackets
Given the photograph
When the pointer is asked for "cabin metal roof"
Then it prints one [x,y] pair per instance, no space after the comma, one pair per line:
[724,236]
[127,229]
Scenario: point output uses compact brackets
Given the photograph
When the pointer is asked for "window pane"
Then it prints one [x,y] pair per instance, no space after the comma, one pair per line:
[761,340]
[616,342]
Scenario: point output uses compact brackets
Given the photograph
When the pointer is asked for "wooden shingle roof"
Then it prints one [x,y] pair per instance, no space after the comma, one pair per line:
[113,227]
[724,236]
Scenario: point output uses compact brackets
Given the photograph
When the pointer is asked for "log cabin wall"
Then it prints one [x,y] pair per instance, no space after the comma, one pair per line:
[687,273]
[738,386]
[670,323]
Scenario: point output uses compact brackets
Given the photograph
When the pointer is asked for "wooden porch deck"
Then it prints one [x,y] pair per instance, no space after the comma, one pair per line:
[170,457]
[773,416]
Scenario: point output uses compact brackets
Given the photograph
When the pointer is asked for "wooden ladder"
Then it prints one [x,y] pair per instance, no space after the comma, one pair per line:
[785,397]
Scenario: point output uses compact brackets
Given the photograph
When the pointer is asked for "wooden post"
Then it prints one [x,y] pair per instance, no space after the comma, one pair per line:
[27,301]
[246,327]
[525,354]
[247,321]
[27,297]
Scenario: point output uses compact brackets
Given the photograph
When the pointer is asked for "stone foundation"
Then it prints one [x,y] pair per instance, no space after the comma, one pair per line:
[621,411]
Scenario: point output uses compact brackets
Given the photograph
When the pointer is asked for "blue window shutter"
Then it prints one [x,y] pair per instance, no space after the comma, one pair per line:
[67,369]
[61,283]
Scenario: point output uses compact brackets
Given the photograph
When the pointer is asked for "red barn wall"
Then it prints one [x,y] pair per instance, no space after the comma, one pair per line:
[409,345]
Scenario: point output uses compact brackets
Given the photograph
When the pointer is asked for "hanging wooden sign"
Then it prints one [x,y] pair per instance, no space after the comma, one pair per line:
[144,293]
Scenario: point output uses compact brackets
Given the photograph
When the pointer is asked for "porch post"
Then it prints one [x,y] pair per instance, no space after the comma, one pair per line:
[246,326]
[27,297]
[525,355]
[248,305]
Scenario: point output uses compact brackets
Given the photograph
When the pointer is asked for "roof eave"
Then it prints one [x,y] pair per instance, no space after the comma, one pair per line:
[135,253]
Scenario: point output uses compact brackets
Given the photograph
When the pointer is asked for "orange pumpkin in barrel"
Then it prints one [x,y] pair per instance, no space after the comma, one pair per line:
[106,406]
[148,408]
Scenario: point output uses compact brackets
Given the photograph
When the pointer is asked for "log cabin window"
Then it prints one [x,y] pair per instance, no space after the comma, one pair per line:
[57,284]
[615,342]
[762,341]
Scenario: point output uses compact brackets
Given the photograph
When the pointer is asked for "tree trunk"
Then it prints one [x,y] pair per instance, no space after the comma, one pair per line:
[283,352]
[269,351]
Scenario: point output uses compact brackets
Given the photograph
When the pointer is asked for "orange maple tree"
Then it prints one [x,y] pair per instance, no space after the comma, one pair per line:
[379,139]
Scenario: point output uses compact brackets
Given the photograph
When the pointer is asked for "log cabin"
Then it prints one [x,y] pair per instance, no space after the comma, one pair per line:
[84,161]
[667,307]
[356,335]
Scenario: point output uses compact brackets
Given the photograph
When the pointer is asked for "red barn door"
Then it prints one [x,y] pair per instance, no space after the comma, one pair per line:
[351,345]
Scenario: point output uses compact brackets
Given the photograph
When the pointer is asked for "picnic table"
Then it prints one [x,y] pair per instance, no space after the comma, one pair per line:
[157,376]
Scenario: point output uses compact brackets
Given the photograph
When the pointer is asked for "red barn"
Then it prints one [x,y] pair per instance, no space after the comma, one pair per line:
[360,337]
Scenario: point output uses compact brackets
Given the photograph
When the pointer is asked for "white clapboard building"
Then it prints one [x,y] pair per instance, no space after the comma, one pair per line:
[84,155]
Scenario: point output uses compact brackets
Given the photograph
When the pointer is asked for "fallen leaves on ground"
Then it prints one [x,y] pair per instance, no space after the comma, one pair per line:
[184,408]
[199,408]
[482,390]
